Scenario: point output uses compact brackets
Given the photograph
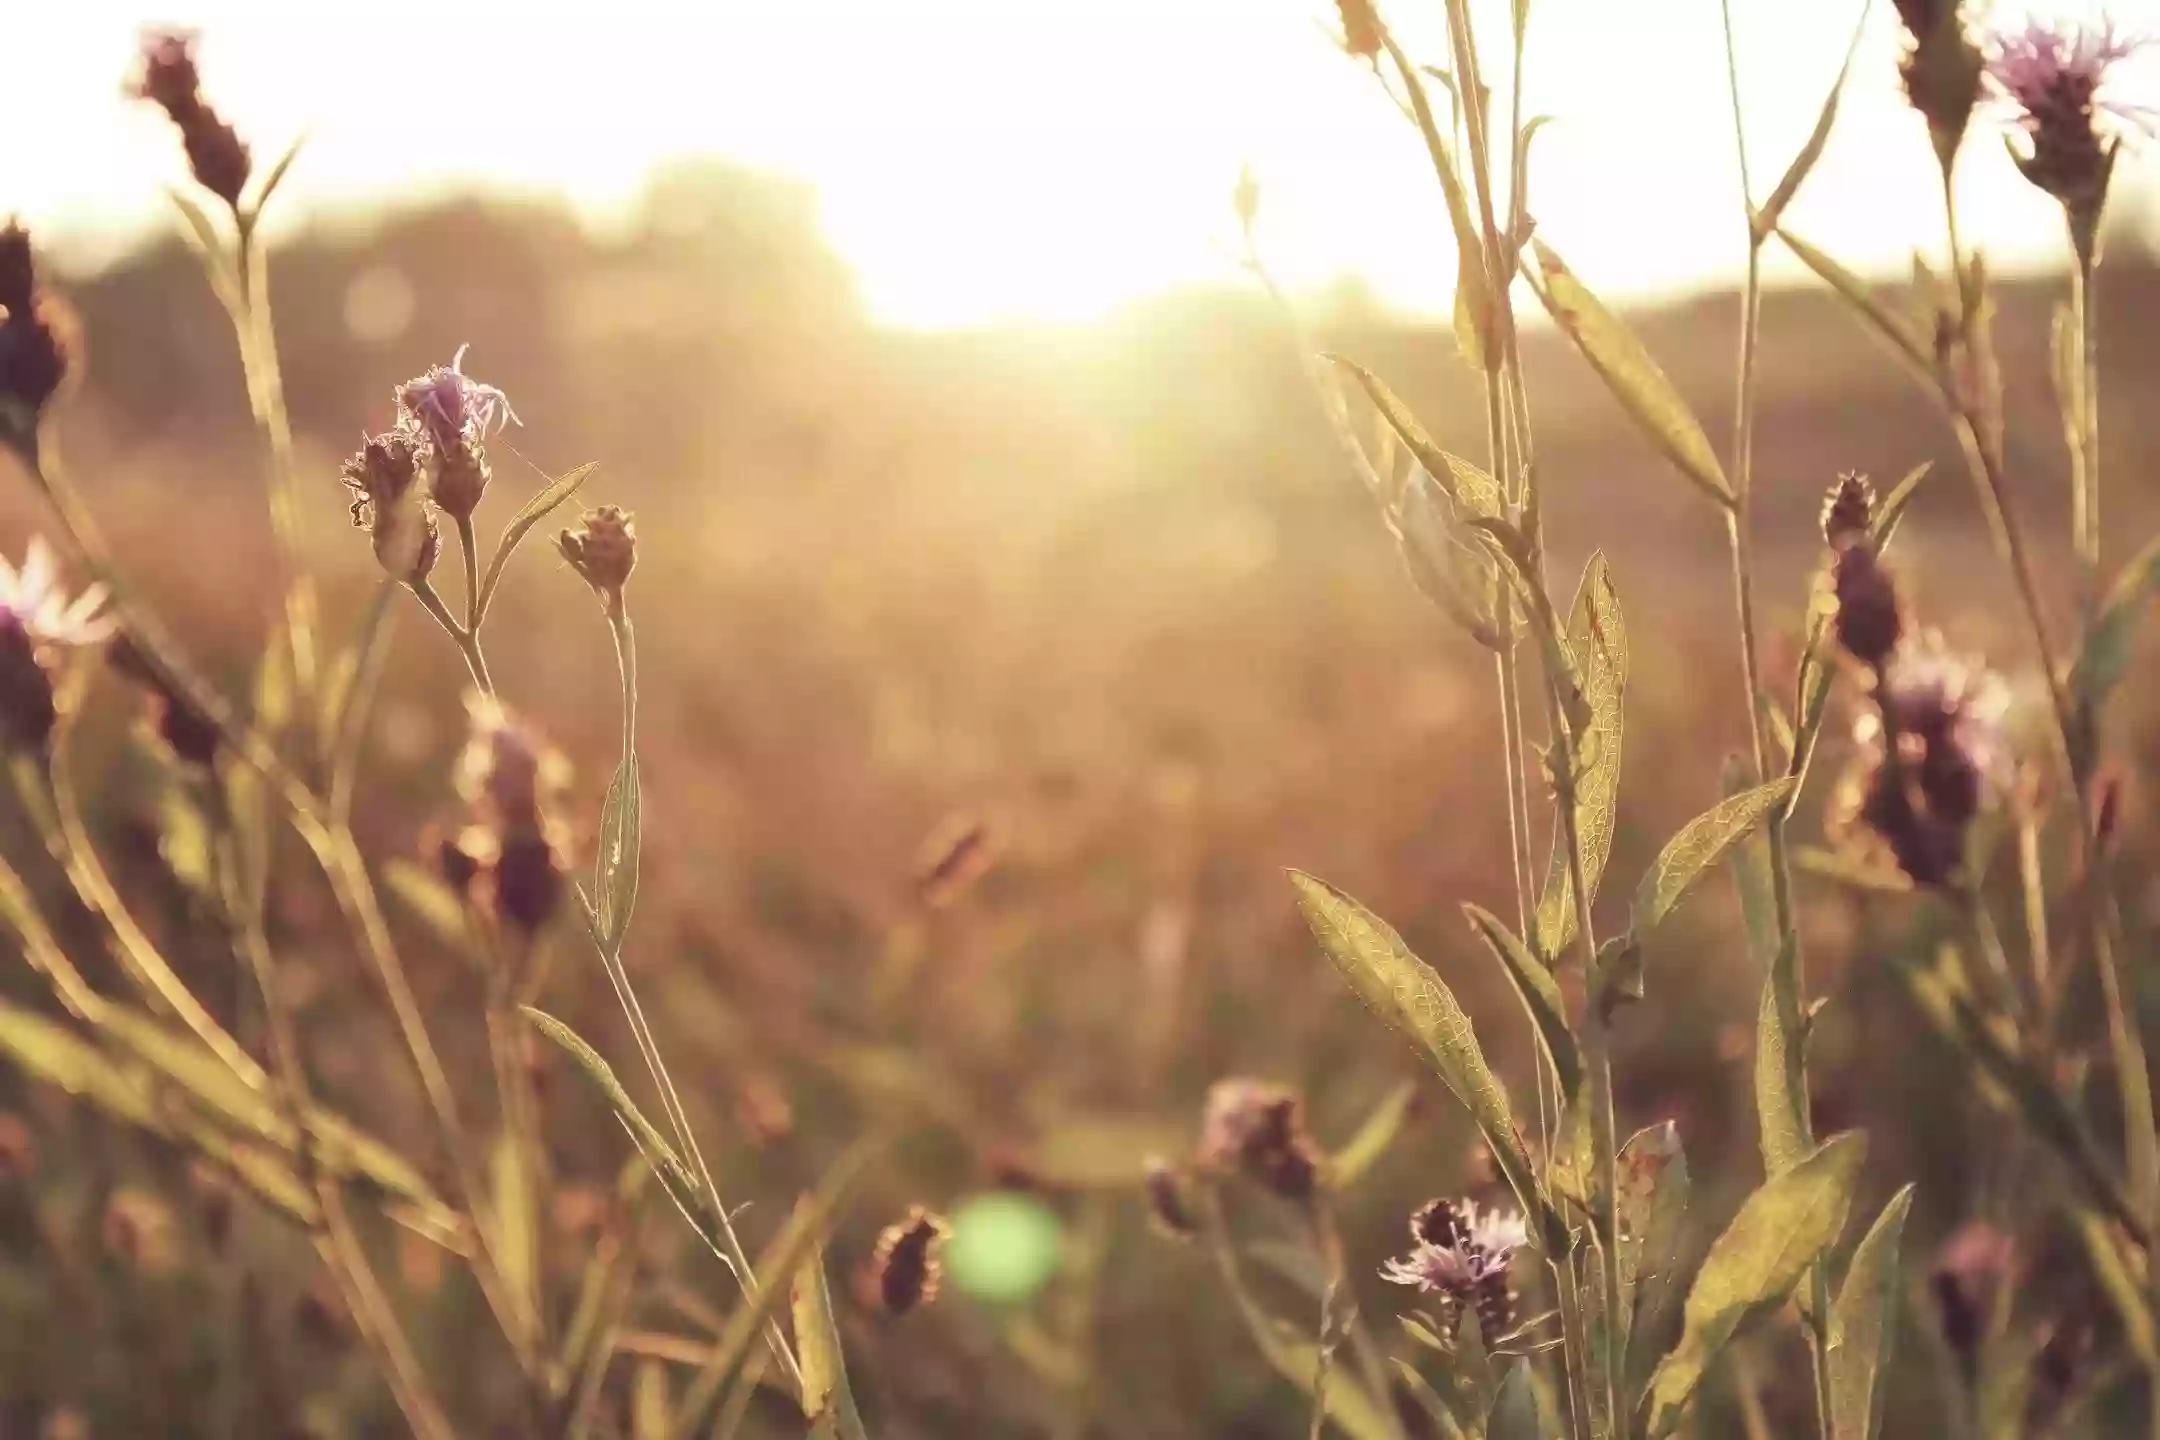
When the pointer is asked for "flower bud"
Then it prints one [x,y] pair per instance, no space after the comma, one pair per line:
[1869,618]
[905,1268]
[218,159]
[1848,510]
[602,549]
[1259,1130]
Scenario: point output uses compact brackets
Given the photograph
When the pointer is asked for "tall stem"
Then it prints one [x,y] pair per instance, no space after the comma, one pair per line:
[257,337]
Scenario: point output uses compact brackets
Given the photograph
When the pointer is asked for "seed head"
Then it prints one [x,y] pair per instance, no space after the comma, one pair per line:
[32,361]
[1166,1201]
[169,80]
[1848,510]
[905,1268]
[1256,1129]
[1869,617]
[1361,28]
[2058,84]
[1941,71]
[602,548]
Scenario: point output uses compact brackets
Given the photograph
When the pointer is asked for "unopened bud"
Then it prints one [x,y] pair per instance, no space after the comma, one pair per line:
[905,1268]
[602,548]
[1848,510]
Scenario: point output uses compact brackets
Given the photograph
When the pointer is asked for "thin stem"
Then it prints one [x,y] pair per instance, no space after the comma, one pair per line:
[469,547]
[347,724]
[257,337]
[2085,454]
[467,642]
[520,1106]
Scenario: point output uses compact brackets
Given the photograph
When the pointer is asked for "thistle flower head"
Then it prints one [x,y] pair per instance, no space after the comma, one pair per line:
[508,769]
[446,407]
[2061,84]
[168,79]
[1463,1255]
[1258,1129]
[510,860]
[32,362]
[1848,510]
[383,479]
[1943,698]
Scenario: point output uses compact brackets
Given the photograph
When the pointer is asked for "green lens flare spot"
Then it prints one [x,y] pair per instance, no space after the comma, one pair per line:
[1004,1247]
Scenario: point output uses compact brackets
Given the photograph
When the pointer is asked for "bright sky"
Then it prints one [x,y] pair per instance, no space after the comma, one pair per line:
[989,160]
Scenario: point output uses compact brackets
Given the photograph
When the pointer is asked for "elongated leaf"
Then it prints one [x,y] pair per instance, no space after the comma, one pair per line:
[1782,1229]
[776,1267]
[651,1411]
[1779,1073]
[617,863]
[1655,1273]
[1434,1406]
[276,175]
[2112,641]
[1539,991]
[57,1055]
[517,1219]
[1476,492]
[1514,1409]
[610,1272]
[535,510]
[1597,637]
[1863,1325]
[1750,862]
[1652,1170]
[1475,305]
[431,900]
[1404,992]
[1628,371]
[654,1146]
[1893,327]
[1788,185]
[1345,1167]
[826,1399]
[1701,843]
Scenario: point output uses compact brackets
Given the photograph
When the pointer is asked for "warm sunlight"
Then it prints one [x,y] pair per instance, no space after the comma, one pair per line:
[980,161]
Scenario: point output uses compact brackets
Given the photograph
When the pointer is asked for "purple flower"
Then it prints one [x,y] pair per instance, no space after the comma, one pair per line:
[1463,1254]
[2060,82]
[447,406]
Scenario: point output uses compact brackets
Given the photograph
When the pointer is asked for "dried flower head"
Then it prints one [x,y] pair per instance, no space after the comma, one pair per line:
[37,620]
[1463,1255]
[168,79]
[2060,83]
[1167,1205]
[905,1267]
[446,407]
[602,548]
[1870,617]
[1258,1130]
[1941,70]
[1848,510]
[1361,28]
[387,503]
[32,360]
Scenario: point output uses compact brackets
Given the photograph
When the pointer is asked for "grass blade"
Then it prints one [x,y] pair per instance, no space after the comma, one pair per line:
[1765,220]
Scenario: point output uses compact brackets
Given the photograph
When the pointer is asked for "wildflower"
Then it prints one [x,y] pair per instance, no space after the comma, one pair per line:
[218,159]
[1848,510]
[1970,1276]
[511,860]
[905,1268]
[37,620]
[2055,78]
[1259,1130]
[1166,1202]
[446,406]
[1462,1255]
[383,478]
[32,363]
[603,550]
[1870,618]
[1936,752]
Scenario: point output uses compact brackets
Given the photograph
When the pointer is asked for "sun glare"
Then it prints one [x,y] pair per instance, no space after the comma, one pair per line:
[980,161]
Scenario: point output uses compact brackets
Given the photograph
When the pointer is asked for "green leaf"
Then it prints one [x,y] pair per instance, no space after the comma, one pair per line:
[1781,1230]
[1345,1167]
[1779,1071]
[1863,1325]
[1438,1409]
[650,1414]
[798,1241]
[534,511]
[1653,1203]
[1597,637]
[2112,641]
[431,900]
[517,1219]
[616,865]
[1404,992]
[650,1143]
[1514,1413]
[1893,327]
[1765,220]
[1701,843]
[1630,373]
[1539,991]
[1472,490]
[1750,861]
[826,1399]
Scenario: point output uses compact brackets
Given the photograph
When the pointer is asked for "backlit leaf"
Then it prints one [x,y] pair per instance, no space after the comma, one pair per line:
[1345,1167]
[1863,1325]
[1539,991]
[1476,492]
[534,511]
[1405,993]
[617,863]
[1781,1230]
[826,1399]
[657,1151]
[1597,637]
[2112,641]
[1628,371]
[1893,327]
[1766,219]
[1701,843]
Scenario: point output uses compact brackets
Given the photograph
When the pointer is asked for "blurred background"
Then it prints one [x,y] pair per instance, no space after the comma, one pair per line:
[976,485]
